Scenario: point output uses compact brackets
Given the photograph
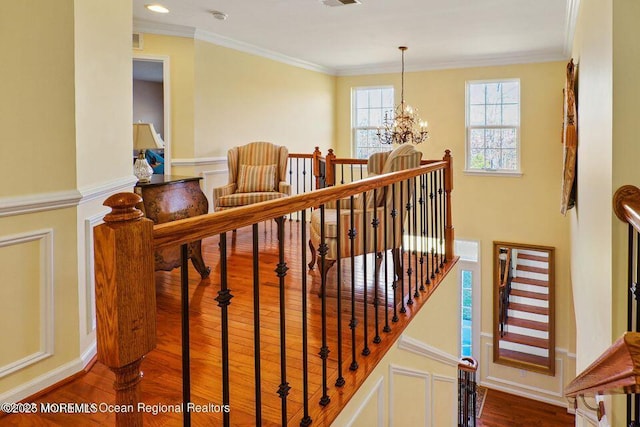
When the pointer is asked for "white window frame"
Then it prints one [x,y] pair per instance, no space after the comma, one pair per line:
[471,262]
[469,127]
[354,128]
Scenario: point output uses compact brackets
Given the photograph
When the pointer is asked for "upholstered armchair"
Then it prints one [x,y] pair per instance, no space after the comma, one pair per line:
[257,173]
[403,157]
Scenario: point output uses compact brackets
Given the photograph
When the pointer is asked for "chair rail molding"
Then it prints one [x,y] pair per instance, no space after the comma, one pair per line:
[420,348]
[200,161]
[38,202]
[102,190]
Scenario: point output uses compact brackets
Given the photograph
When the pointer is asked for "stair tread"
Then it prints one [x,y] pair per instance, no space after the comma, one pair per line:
[529,294]
[524,357]
[529,324]
[525,340]
[528,308]
[527,281]
[531,269]
[532,257]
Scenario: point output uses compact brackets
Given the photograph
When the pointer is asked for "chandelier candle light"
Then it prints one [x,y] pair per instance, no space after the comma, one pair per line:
[405,124]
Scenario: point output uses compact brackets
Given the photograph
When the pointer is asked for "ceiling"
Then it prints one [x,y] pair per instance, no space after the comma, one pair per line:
[363,38]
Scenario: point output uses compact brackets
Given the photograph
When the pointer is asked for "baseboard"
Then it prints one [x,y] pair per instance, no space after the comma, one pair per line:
[51,380]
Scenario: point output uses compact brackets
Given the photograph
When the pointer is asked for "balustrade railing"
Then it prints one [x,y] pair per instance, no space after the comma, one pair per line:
[467,392]
[617,370]
[378,295]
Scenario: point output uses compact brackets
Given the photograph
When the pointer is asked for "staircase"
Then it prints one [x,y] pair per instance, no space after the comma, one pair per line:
[527,327]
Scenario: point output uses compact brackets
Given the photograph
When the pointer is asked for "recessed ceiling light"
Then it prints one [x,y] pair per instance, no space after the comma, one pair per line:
[221,16]
[157,8]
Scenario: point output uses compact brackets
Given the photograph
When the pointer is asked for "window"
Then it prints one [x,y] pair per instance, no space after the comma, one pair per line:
[493,126]
[370,104]
[466,310]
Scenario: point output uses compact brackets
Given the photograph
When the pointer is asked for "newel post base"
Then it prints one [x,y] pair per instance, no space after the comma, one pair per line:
[125,299]
[127,389]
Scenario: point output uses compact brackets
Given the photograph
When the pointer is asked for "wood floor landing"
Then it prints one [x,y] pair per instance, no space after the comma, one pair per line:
[162,382]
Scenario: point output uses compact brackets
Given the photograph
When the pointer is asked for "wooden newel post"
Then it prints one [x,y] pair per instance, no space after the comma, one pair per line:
[330,169]
[449,234]
[125,299]
[316,166]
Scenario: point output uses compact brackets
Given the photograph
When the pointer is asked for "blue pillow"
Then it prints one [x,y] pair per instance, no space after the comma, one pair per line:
[156,161]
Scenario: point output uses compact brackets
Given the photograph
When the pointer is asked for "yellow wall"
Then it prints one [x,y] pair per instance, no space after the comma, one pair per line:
[522,209]
[103,88]
[37,103]
[606,53]
[66,144]
[241,98]
[180,51]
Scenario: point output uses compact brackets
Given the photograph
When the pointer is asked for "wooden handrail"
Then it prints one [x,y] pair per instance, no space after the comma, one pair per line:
[301,155]
[197,228]
[616,371]
[626,205]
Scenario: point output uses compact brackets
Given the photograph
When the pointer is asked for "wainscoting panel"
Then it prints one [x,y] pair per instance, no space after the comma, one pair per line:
[26,299]
[409,397]
[371,412]
[443,407]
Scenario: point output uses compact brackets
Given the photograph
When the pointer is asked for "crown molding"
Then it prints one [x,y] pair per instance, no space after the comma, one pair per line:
[573,6]
[142,26]
[258,51]
[482,61]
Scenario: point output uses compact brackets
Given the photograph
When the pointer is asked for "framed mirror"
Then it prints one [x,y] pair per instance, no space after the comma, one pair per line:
[523,306]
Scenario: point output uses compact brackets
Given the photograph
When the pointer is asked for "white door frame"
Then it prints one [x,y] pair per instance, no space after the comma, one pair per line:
[166,85]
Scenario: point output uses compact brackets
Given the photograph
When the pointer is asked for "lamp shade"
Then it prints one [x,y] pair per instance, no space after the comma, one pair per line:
[145,137]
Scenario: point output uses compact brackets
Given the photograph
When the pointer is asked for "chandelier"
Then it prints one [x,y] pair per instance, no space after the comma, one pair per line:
[405,124]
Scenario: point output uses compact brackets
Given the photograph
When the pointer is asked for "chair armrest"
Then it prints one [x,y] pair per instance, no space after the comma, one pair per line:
[225,190]
[284,187]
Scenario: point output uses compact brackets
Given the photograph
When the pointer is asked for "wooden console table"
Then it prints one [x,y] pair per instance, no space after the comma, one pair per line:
[169,198]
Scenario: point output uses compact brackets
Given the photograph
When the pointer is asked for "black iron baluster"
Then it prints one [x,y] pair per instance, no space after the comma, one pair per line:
[324,350]
[256,323]
[403,308]
[224,299]
[361,172]
[342,173]
[298,183]
[377,257]
[291,182]
[354,321]
[409,269]
[281,271]
[436,243]
[440,197]
[365,348]
[416,294]
[425,227]
[306,419]
[630,296]
[340,380]
[386,328]
[351,169]
[186,356]
[422,253]
[434,234]
[396,251]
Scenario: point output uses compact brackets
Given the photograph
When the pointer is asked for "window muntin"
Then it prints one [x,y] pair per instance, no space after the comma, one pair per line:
[493,126]
[370,104]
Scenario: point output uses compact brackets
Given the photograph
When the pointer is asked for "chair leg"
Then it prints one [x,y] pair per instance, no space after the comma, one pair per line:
[397,265]
[328,263]
[312,263]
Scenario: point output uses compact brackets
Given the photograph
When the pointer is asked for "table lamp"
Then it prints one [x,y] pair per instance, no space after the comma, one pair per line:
[144,137]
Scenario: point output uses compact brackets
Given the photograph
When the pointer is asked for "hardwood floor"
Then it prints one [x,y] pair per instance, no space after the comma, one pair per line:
[162,382]
[507,410]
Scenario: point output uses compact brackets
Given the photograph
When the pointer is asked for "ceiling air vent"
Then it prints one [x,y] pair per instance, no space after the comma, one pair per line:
[136,41]
[333,3]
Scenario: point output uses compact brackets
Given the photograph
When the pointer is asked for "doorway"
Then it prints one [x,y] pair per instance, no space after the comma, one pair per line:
[151,102]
